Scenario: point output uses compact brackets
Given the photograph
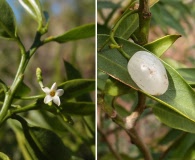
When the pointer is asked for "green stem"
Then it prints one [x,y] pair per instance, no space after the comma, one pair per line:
[19,74]
[20,110]
[142,32]
[4,86]
[23,109]
[113,31]
[30,97]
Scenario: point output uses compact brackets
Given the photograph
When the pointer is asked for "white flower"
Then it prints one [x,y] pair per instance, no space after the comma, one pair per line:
[53,94]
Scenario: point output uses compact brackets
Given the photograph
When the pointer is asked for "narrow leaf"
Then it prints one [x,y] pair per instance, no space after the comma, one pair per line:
[159,46]
[77,87]
[101,80]
[171,136]
[127,25]
[153,2]
[72,108]
[3,156]
[106,4]
[167,18]
[7,21]
[173,119]
[22,143]
[188,74]
[181,149]
[71,71]
[49,143]
[33,7]
[44,143]
[80,32]
[78,108]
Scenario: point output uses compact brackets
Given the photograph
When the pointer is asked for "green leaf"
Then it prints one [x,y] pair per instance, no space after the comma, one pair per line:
[102,29]
[77,87]
[173,119]
[7,21]
[188,74]
[174,63]
[81,32]
[179,96]
[78,108]
[190,153]
[44,143]
[171,136]
[128,24]
[33,7]
[159,46]
[49,143]
[115,88]
[72,108]
[181,148]
[71,71]
[165,18]
[101,79]
[25,148]
[106,4]
[153,2]
[3,156]
[22,90]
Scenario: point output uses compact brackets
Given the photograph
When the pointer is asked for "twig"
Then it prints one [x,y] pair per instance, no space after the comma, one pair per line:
[174,144]
[118,157]
[131,119]
[118,120]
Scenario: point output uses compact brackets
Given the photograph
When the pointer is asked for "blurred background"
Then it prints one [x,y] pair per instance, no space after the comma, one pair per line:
[64,15]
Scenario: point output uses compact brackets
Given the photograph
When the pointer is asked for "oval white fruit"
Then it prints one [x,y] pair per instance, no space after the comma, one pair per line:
[148,72]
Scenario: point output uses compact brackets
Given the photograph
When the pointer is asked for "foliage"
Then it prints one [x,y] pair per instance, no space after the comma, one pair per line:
[45,131]
[118,39]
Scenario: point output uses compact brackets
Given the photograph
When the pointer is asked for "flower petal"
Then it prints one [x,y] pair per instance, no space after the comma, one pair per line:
[59,92]
[47,99]
[56,100]
[54,87]
[46,90]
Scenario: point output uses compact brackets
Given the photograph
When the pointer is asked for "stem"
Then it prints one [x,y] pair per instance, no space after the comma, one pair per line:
[144,23]
[30,97]
[23,109]
[104,136]
[113,31]
[132,118]
[118,120]
[4,86]
[139,143]
[19,74]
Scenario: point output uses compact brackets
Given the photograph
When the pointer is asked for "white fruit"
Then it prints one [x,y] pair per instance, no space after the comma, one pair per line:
[148,72]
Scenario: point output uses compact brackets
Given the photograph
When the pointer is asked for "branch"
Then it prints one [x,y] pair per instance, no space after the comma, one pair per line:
[118,120]
[141,34]
[131,119]
[118,157]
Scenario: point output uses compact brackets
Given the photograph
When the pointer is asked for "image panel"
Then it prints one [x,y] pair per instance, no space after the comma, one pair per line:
[145,80]
[47,80]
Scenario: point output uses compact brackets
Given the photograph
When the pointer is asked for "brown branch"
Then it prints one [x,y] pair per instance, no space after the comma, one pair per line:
[118,120]
[130,120]
[115,153]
